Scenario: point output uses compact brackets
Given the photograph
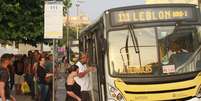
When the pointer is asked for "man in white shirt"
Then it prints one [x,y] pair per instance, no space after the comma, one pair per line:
[84,78]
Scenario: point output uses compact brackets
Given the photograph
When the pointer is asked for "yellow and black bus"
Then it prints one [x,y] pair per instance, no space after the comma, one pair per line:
[145,53]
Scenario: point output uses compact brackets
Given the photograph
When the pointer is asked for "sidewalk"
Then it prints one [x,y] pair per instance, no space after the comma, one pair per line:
[60,86]
[22,98]
[60,94]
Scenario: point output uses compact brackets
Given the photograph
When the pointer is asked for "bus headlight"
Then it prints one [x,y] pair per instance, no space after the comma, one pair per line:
[199,92]
[115,93]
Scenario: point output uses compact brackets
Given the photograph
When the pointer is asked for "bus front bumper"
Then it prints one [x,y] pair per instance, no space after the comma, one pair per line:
[167,91]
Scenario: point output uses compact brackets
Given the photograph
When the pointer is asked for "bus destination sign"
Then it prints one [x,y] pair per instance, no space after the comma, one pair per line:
[151,15]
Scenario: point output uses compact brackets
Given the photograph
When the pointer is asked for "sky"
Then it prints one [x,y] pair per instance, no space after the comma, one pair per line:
[94,8]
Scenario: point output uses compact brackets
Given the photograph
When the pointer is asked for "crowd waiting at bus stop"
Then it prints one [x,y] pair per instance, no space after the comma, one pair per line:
[32,75]
[29,75]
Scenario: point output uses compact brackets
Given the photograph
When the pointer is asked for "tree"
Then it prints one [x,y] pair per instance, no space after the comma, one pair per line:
[71,36]
[23,20]
[67,5]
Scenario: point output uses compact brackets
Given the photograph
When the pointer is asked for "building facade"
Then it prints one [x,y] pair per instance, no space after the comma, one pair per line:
[74,21]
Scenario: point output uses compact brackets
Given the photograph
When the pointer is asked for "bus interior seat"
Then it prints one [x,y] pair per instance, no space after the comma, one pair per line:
[179,58]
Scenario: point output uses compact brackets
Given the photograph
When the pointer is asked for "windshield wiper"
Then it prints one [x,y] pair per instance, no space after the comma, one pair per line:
[135,41]
[134,38]
[127,52]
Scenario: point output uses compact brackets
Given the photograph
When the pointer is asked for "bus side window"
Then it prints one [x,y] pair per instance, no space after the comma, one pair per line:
[94,50]
[198,63]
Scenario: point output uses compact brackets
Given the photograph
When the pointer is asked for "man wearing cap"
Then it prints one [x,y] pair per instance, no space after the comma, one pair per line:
[5,93]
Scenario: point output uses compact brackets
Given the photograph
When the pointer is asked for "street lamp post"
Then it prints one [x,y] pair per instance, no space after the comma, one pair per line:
[67,31]
[78,16]
[78,19]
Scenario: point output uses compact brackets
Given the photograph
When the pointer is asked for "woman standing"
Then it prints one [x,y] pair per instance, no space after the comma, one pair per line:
[73,89]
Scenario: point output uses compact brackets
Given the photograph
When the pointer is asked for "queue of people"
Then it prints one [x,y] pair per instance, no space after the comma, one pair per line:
[36,70]
[39,76]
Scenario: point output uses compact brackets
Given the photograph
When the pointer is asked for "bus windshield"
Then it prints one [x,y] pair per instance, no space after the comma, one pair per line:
[154,51]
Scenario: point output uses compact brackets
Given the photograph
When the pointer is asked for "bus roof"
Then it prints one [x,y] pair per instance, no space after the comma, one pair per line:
[91,26]
[151,5]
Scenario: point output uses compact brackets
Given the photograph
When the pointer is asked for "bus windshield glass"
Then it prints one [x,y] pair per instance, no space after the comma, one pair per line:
[154,51]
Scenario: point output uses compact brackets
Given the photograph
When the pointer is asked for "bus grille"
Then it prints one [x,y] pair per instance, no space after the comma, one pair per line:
[164,91]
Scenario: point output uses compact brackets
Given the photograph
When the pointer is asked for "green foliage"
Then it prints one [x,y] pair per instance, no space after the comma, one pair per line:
[71,36]
[67,4]
[23,20]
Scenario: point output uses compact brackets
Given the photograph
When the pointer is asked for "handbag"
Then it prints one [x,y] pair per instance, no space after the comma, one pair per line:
[25,87]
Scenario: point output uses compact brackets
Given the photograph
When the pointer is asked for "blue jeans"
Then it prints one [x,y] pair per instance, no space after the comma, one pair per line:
[43,92]
[29,79]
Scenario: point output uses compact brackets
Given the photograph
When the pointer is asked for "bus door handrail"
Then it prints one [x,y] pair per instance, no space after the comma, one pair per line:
[190,64]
